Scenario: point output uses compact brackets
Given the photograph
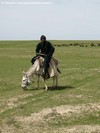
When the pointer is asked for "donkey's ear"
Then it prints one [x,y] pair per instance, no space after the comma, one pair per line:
[24,72]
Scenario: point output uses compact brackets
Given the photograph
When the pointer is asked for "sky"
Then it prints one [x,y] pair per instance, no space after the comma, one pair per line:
[56,19]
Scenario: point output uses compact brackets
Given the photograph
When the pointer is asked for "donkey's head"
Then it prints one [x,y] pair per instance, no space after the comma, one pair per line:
[34,69]
[25,81]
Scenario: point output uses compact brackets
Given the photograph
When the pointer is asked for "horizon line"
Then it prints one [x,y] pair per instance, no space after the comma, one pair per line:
[54,40]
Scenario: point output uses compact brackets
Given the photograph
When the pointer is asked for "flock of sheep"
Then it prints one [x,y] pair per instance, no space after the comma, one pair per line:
[79,44]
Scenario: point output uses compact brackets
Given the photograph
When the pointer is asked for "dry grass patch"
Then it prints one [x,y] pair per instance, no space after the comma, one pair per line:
[13,102]
[39,122]
[79,129]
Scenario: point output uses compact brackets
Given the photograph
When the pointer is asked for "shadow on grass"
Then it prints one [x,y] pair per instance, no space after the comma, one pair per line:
[50,88]
[60,88]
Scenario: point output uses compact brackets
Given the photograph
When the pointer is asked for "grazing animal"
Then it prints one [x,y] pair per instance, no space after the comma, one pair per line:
[37,69]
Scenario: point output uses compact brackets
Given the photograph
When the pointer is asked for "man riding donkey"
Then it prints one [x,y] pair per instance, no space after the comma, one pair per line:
[46,50]
[44,65]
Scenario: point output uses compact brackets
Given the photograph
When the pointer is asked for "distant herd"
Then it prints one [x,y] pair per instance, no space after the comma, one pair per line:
[78,44]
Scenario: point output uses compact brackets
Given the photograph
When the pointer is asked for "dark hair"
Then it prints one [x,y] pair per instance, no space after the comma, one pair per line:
[43,37]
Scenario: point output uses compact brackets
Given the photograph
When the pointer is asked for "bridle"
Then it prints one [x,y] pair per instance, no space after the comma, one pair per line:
[25,80]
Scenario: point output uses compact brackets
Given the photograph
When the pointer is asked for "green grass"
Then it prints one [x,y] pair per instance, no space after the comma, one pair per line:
[79,84]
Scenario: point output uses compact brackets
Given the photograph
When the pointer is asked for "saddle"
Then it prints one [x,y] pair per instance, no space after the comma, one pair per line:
[52,70]
[53,67]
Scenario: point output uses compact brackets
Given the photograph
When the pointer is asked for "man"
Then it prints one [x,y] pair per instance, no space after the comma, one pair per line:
[46,49]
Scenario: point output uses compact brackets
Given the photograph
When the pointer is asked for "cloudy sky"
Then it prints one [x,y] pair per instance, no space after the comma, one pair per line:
[57,19]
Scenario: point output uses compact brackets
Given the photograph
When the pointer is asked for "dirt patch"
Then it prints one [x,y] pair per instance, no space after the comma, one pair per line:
[45,129]
[13,102]
[7,129]
[79,129]
[63,110]
[79,109]
[38,122]
[68,96]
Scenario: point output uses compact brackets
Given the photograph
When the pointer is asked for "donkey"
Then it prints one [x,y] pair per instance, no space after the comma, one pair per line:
[37,69]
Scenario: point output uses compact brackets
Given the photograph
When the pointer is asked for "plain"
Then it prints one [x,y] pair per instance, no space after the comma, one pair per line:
[72,107]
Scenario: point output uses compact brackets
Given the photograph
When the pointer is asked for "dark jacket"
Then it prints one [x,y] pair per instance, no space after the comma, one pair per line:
[45,48]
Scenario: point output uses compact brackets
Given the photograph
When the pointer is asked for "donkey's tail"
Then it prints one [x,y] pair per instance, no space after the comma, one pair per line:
[58,70]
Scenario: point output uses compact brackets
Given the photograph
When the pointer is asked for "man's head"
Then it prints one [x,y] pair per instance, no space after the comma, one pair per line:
[43,38]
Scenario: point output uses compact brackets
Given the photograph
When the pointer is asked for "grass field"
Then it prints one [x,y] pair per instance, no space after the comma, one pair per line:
[72,107]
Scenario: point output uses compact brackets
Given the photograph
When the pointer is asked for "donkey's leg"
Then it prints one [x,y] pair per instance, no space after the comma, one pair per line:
[53,81]
[38,81]
[46,87]
[35,79]
[56,81]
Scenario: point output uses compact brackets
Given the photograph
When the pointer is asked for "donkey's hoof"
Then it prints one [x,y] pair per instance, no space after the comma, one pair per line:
[24,88]
[46,88]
